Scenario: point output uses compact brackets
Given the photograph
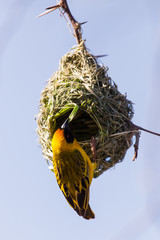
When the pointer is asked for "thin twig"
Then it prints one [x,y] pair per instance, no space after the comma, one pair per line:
[136,145]
[135,127]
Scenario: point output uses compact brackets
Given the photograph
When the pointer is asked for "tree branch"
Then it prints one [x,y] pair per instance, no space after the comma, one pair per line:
[76,25]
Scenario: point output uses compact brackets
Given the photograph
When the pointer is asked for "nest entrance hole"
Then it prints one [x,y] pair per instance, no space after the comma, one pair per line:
[82,126]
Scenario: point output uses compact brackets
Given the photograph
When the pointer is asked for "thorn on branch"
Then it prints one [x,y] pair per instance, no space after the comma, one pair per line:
[100,56]
[83,23]
[53,7]
[49,9]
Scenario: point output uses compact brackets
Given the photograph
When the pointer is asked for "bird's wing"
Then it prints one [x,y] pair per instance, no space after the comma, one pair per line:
[69,198]
[77,191]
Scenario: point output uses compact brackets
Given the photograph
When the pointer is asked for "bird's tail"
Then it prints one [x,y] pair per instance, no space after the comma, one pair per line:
[88,214]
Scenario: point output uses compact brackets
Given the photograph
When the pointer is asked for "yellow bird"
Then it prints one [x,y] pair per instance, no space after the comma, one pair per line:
[73,170]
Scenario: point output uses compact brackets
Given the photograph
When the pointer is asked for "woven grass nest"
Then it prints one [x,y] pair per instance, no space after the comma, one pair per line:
[104,113]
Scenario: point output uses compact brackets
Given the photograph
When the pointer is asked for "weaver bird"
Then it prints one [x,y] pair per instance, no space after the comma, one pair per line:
[73,170]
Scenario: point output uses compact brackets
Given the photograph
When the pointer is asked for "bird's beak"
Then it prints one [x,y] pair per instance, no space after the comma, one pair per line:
[65,124]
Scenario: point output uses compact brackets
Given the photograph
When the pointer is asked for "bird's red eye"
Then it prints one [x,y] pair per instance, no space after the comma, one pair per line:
[68,136]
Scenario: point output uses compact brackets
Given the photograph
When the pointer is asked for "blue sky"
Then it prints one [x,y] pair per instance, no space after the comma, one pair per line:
[125,199]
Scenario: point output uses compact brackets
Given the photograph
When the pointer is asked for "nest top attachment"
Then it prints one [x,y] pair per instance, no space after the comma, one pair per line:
[103,112]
